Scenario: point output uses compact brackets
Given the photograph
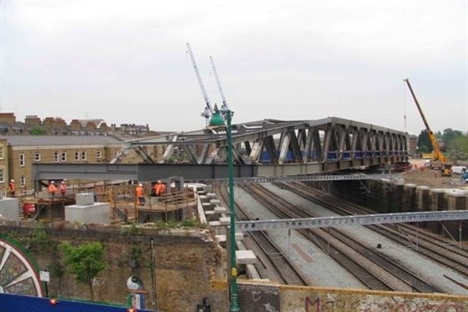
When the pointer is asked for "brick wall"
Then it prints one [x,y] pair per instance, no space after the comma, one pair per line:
[184,262]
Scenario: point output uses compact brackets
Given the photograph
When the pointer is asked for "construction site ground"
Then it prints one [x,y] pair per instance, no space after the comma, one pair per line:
[420,175]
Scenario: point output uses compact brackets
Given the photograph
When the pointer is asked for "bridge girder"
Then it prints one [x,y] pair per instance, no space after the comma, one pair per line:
[327,140]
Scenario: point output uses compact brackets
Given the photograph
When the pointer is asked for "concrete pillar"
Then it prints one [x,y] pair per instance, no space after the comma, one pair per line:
[456,200]
[87,211]
[409,198]
[438,203]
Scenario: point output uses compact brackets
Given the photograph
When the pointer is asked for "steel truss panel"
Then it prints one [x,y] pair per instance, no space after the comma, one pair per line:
[338,221]
[334,142]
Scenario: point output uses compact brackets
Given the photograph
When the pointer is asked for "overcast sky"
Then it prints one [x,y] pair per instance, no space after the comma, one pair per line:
[127,61]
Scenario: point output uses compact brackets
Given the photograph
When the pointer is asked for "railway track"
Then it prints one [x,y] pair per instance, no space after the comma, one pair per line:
[340,240]
[427,244]
[285,273]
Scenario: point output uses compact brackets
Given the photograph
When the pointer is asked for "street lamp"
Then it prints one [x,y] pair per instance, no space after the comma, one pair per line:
[234,304]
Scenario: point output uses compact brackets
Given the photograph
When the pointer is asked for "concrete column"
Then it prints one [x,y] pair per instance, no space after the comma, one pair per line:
[409,198]
[456,200]
[438,203]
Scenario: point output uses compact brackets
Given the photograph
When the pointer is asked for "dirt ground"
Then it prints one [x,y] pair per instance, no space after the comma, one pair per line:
[432,178]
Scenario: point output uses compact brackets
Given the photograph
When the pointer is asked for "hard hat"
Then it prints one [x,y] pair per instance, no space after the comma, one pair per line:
[159,181]
[140,184]
[63,181]
[12,180]
[52,182]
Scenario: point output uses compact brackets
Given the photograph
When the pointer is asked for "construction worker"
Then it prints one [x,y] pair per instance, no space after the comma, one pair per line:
[159,188]
[12,188]
[140,194]
[52,189]
[63,188]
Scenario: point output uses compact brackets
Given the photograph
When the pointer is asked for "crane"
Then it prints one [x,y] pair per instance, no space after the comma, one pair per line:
[224,107]
[208,110]
[439,159]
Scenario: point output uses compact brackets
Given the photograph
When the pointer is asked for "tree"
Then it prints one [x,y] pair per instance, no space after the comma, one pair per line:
[37,130]
[85,261]
[424,143]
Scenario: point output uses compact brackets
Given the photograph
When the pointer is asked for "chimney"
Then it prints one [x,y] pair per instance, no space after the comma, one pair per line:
[75,125]
[32,120]
[9,118]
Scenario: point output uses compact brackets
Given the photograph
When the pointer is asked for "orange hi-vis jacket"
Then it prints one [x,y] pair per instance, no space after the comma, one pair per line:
[159,188]
[52,188]
[12,187]
[140,191]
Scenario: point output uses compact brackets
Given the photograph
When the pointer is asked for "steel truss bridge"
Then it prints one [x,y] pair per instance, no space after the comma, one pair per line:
[265,149]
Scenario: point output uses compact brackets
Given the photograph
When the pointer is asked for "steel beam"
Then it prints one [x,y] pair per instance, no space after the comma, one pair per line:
[339,221]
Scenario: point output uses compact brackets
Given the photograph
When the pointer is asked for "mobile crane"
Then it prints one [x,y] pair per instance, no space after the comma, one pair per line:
[439,160]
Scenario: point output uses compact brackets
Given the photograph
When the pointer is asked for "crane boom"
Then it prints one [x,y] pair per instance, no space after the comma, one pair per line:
[208,110]
[223,98]
[435,145]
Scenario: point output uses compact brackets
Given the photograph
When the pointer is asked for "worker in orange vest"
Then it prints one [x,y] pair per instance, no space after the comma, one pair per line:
[12,188]
[52,189]
[140,194]
[63,188]
[159,188]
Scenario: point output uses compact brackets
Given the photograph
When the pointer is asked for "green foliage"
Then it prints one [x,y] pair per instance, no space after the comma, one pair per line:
[37,130]
[40,240]
[190,223]
[424,142]
[133,229]
[85,261]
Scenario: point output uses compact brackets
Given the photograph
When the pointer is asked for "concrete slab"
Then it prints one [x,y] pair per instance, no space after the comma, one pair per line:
[225,220]
[9,208]
[214,223]
[220,209]
[222,238]
[95,213]
[246,257]
[84,199]
[211,195]
[215,202]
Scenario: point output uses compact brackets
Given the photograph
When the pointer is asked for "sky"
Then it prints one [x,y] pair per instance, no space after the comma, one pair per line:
[127,61]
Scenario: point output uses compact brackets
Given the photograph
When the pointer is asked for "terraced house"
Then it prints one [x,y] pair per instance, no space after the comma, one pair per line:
[54,141]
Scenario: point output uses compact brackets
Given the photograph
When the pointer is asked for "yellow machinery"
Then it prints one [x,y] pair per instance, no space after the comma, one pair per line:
[439,161]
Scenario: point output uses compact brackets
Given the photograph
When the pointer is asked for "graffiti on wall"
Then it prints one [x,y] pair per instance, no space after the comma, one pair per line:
[259,298]
[332,303]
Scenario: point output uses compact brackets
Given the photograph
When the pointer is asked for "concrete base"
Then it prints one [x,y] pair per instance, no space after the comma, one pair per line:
[245,257]
[94,213]
[9,208]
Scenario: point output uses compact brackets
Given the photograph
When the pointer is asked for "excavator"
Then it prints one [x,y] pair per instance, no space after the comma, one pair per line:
[439,161]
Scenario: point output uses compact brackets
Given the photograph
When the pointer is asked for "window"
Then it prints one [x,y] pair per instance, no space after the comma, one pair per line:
[56,157]
[98,155]
[2,174]
[77,156]
[37,156]
[2,152]
[83,155]
[21,160]
[23,181]
[63,156]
